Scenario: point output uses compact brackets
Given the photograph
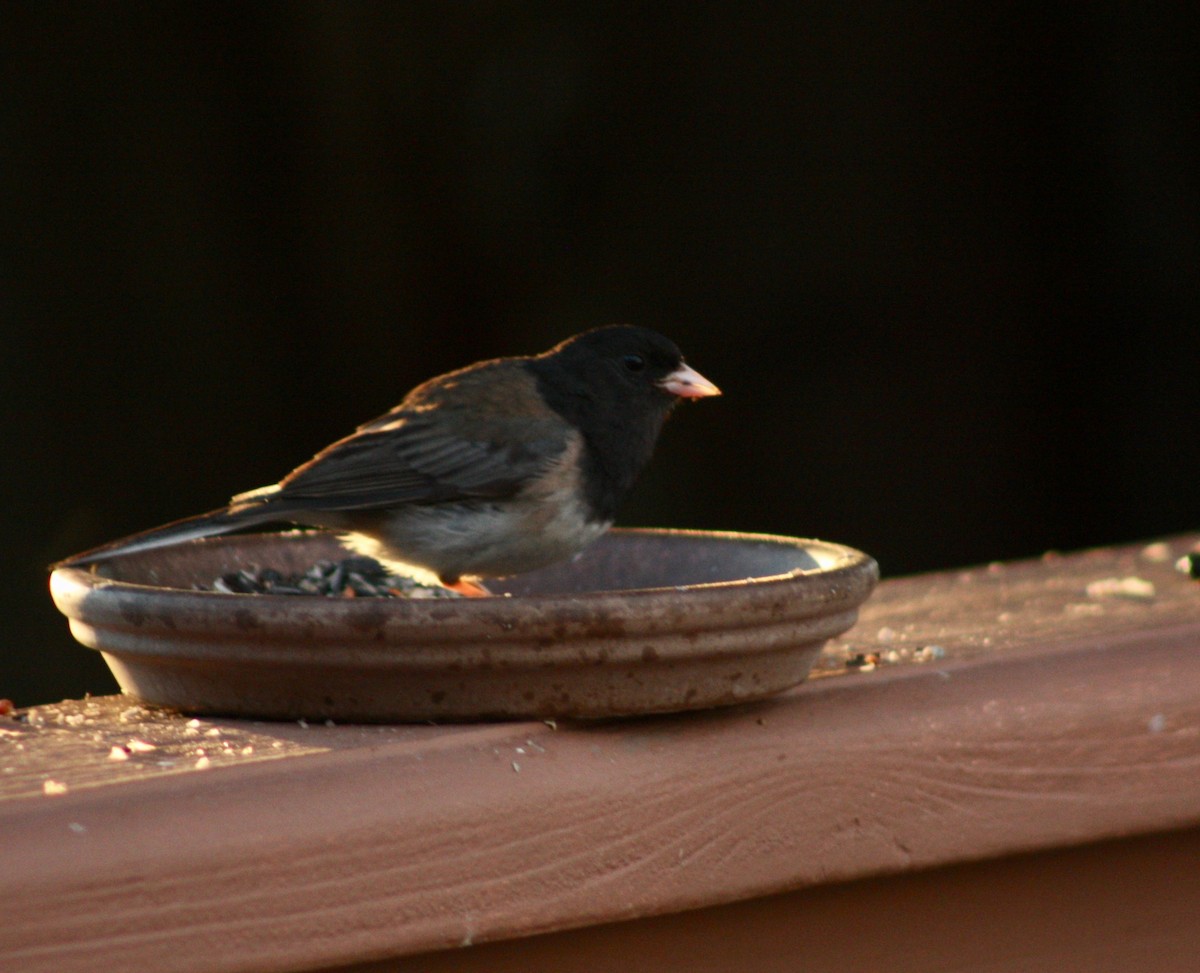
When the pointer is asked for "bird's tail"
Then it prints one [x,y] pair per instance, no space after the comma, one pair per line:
[211,524]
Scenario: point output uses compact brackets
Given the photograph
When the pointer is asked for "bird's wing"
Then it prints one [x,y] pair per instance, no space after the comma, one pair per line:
[412,458]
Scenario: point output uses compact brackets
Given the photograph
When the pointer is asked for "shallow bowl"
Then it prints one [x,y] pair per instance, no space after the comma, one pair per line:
[643,621]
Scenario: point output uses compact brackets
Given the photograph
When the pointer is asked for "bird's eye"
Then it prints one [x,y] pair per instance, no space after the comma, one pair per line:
[635,363]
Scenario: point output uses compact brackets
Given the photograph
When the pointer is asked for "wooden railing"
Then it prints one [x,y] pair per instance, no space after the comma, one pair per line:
[997,768]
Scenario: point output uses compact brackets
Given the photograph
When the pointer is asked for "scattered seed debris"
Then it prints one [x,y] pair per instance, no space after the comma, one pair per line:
[352,577]
[870,660]
[1159,552]
[1136,589]
[1189,564]
[863,661]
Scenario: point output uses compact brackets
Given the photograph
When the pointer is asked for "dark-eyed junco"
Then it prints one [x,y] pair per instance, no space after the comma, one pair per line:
[498,468]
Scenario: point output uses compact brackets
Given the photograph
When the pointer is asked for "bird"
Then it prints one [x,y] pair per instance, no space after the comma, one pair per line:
[487,471]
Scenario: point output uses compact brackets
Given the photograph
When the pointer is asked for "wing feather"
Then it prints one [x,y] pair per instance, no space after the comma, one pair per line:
[415,460]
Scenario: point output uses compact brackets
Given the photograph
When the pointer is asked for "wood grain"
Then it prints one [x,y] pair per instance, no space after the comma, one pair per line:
[1049,728]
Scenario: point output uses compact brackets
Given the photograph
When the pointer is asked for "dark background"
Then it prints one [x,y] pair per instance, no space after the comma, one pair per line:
[942,258]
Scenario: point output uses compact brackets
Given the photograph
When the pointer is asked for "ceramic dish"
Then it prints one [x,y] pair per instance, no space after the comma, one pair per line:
[643,621]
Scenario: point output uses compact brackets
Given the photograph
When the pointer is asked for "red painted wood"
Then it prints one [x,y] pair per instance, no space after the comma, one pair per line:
[1055,720]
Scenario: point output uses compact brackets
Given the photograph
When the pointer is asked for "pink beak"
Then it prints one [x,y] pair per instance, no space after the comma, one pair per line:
[688,383]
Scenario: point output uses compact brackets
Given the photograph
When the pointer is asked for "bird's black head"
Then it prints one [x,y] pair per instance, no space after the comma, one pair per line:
[618,359]
[616,385]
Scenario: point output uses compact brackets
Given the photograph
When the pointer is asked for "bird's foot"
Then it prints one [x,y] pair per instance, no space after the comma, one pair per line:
[468,589]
